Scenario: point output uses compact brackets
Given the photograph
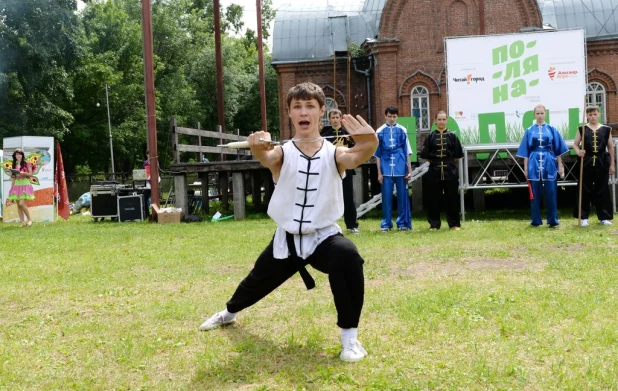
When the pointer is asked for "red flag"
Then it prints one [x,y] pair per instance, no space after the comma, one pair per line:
[64,208]
[530,192]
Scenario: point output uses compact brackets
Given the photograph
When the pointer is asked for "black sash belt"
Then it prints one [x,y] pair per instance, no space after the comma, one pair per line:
[307,279]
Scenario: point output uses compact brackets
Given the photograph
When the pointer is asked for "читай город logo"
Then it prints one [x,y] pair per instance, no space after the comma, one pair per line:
[468,79]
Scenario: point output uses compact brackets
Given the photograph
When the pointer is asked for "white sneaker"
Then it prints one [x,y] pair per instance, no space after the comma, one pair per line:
[217,320]
[354,231]
[585,222]
[606,222]
[352,351]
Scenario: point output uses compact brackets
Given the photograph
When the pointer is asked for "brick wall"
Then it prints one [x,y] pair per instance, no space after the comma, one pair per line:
[321,73]
[421,27]
[602,65]
[410,51]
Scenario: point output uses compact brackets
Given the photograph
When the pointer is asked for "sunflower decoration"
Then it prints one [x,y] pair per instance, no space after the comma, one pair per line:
[34,180]
[35,159]
[6,166]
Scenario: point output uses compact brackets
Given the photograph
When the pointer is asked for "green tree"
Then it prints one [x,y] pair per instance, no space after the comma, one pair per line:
[55,64]
[250,116]
[111,40]
[233,18]
[37,52]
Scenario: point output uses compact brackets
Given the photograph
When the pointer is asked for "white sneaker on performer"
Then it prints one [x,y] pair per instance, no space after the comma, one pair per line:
[217,320]
[585,222]
[352,351]
[606,222]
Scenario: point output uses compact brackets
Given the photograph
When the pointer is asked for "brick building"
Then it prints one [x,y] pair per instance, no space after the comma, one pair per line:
[402,57]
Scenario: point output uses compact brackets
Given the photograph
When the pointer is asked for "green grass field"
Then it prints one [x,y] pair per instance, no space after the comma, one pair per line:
[495,306]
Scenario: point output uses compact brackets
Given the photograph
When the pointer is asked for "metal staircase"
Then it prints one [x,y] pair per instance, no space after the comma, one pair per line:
[417,173]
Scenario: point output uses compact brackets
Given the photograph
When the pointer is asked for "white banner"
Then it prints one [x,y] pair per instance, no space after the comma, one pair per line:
[41,150]
[495,81]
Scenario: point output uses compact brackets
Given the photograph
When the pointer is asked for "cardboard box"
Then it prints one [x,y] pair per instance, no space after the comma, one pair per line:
[167,217]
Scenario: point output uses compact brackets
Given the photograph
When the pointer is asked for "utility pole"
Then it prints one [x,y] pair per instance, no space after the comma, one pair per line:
[109,125]
[219,65]
[260,46]
[151,115]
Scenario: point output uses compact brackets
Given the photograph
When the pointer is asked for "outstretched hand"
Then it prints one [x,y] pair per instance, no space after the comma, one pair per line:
[366,143]
[258,141]
[356,126]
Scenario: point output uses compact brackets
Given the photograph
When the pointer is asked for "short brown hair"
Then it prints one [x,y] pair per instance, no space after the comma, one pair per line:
[391,110]
[334,111]
[306,91]
[591,109]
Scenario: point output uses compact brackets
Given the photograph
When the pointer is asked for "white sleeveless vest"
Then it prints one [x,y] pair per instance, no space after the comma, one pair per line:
[307,201]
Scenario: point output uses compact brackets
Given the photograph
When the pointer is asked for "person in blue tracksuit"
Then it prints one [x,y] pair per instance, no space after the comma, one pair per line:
[394,170]
[541,149]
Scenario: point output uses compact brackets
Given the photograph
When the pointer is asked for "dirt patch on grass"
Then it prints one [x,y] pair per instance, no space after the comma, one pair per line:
[500,264]
[399,252]
[424,269]
[574,247]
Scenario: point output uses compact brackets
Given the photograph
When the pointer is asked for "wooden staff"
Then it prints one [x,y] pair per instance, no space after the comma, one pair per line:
[581,169]
[236,145]
[245,144]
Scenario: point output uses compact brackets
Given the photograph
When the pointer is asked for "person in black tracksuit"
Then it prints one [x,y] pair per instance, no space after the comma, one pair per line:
[599,163]
[338,136]
[442,149]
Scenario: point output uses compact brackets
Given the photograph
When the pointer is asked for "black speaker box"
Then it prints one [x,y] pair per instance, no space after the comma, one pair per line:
[104,205]
[130,208]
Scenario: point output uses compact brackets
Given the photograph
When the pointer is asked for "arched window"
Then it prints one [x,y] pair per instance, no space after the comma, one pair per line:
[330,104]
[420,107]
[596,96]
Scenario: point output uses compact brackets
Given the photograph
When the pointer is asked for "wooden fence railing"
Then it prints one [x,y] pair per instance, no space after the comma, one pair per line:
[202,135]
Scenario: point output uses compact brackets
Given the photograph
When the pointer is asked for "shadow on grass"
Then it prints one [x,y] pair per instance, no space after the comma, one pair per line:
[255,361]
[498,215]
[564,214]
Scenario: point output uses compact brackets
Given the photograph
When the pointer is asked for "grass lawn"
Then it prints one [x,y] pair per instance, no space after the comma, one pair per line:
[497,305]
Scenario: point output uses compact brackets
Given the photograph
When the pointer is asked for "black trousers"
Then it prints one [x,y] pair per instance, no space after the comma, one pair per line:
[436,198]
[595,189]
[349,210]
[337,256]
[146,200]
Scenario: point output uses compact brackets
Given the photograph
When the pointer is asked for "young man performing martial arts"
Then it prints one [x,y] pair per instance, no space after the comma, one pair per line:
[306,205]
